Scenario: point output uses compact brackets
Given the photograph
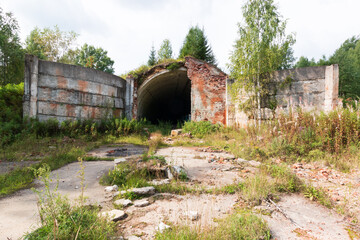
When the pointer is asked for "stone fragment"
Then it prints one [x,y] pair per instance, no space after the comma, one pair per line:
[113,188]
[132,237]
[161,227]
[118,193]
[119,160]
[254,163]
[123,202]
[175,132]
[143,191]
[114,215]
[169,174]
[141,203]
[193,215]
[241,160]
[160,182]
[175,171]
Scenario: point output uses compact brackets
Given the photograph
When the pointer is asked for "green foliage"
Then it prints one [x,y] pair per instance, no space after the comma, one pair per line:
[305,62]
[173,66]
[152,57]
[240,225]
[52,44]
[15,180]
[137,73]
[11,124]
[200,129]
[127,175]
[91,128]
[12,55]
[348,58]
[196,45]
[62,220]
[261,49]
[318,194]
[96,58]
[165,51]
[331,132]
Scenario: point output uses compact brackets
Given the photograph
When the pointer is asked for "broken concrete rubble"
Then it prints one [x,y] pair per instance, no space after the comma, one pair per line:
[114,215]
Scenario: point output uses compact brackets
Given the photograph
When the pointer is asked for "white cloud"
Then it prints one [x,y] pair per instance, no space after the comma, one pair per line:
[128,28]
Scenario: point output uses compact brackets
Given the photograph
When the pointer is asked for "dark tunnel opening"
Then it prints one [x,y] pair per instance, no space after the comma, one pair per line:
[165,97]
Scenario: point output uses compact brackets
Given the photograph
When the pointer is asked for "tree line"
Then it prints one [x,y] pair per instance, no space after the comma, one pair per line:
[195,45]
[348,58]
[262,47]
[50,44]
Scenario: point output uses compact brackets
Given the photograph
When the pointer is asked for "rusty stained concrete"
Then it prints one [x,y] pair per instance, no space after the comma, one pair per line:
[68,92]
[192,88]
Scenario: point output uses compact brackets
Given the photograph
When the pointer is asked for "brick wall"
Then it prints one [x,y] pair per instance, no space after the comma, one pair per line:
[208,91]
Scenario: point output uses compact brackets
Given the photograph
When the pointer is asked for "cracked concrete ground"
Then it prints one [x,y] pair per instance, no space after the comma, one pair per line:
[312,221]
[19,214]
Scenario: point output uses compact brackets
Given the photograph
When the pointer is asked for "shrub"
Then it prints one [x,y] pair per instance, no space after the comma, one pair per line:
[200,129]
[10,112]
[126,176]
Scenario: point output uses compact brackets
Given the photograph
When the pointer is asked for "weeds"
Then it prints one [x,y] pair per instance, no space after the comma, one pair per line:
[240,225]
[61,220]
[200,129]
[298,136]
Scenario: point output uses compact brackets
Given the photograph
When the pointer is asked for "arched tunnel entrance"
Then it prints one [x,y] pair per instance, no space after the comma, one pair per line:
[165,96]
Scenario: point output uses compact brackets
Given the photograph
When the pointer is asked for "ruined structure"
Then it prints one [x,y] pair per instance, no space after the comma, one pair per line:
[68,92]
[311,88]
[192,89]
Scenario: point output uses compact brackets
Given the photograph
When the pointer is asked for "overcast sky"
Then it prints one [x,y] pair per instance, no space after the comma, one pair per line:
[128,28]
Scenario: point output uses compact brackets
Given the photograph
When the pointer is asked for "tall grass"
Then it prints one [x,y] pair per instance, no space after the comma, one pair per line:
[331,132]
[61,219]
[200,129]
[332,137]
[239,225]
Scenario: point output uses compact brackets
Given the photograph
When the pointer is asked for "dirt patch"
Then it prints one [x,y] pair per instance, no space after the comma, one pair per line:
[343,188]
[175,209]
[200,167]
[304,220]
[6,167]
[117,150]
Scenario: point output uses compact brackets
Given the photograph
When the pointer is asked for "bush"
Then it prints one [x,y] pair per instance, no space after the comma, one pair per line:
[200,129]
[11,124]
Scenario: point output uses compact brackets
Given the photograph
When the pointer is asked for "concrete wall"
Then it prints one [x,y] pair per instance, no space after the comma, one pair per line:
[208,91]
[312,88]
[62,91]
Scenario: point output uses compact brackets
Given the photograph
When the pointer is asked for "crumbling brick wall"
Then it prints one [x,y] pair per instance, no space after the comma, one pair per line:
[68,92]
[208,91]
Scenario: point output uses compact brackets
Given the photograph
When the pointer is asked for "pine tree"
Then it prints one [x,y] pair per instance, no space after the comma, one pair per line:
[152,57]
[196,45]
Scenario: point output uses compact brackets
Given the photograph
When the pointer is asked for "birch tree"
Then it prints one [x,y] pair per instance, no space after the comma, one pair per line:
[262,48]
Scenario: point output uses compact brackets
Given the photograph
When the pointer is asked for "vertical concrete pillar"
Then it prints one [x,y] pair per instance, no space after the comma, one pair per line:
[31,79]
[331,87]
[129,97]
